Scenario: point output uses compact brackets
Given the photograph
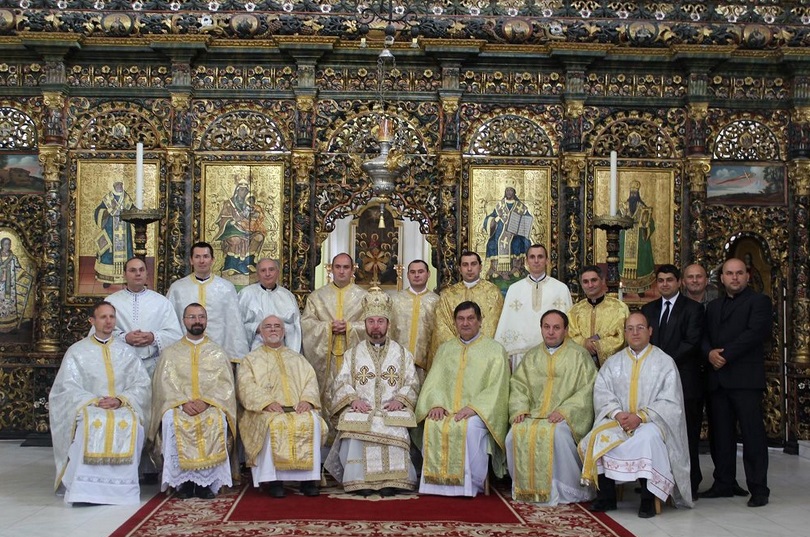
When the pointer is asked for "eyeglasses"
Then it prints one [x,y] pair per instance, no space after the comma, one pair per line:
[637,328]
[195,317]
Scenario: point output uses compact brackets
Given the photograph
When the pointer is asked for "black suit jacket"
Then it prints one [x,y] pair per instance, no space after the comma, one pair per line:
[740,326]
[681,340]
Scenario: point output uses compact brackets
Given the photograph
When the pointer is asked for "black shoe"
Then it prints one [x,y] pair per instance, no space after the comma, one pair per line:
[758,501]
[365,493]
[601,506]
[646,509]
[739,491]
[386,492]
[310,488]
[185,491]
[715,493]
[149,479]
[205,493]
[275,489]
[695,496]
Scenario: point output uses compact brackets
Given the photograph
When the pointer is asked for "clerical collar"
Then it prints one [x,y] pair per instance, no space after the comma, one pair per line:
[194,341]
[537,280]
[202,279]
[102,341]
[552,350]
[378,345]
[596,302]
[269,288]
[640,353]
[470,285]
[422,292]
[468,341]
[128,290]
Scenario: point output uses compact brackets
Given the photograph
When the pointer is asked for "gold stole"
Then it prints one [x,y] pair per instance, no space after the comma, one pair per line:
[292,435]
[414,332]
[201,438]
[445,440]
[337,343]
[609,434]
[532,440]
[109,434]
[201,287]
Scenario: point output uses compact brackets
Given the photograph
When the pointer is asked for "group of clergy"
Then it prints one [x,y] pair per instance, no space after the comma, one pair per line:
[378,373]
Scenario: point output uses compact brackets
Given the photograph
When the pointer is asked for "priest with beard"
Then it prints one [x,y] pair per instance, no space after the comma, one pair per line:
[374,394]
[194,411]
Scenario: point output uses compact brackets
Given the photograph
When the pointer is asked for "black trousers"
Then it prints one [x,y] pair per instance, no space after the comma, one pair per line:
[729,407]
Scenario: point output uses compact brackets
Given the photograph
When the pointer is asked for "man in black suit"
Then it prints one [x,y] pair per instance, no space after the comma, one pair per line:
[677,329]
[737,325]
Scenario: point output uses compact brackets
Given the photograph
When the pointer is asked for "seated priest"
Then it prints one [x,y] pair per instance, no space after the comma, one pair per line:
[639,429]
[98,408]
[194,411]
[551,409]
[281,426]
[464,404]
[374,394]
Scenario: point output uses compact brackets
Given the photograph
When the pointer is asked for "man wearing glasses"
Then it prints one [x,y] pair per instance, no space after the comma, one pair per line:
[639,428]
[194,410]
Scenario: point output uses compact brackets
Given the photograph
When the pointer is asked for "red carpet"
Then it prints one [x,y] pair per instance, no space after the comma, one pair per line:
[248,513]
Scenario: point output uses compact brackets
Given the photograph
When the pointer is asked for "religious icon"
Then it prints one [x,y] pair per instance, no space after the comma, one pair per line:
[636,263]
[103,241]
[20,174]
[510,209]
[241,230]
[16,286]
[240,218]
[651,240]
[377,248]
[114,239]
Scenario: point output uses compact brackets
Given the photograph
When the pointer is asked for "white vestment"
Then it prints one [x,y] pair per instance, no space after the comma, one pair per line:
[257,303]
[218,297]
[90,468]
[525,303]
[147,311]
[649,385]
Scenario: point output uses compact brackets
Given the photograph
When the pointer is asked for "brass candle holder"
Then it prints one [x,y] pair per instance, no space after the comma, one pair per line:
[612,225]
[140,219]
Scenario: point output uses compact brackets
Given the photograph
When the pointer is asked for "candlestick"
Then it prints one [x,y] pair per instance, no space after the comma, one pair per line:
[139,176]
[614,183]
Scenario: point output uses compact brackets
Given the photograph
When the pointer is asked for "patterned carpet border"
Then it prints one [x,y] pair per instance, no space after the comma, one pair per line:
[165,516]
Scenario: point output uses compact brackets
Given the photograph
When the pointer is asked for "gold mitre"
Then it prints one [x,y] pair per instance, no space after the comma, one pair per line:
[377,303]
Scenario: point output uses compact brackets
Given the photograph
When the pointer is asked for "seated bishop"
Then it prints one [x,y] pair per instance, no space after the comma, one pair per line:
[281,427]
[374,394]
[98,407]
[464,405]
[194,411]
[551,409]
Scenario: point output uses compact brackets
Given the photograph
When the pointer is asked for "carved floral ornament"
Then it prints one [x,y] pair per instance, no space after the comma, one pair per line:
[17,129]
[750,24]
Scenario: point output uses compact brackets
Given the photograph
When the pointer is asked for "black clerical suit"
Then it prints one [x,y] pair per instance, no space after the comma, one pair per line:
[681,339]
[739,325]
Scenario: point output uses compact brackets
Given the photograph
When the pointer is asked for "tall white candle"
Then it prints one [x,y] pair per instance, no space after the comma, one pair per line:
[139,176]
[614,183]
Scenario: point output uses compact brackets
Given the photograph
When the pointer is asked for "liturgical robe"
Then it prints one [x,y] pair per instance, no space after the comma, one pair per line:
[257,303]
[605,319]
[413,319]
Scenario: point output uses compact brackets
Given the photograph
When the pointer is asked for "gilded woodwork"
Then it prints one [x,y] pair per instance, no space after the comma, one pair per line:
[521,69]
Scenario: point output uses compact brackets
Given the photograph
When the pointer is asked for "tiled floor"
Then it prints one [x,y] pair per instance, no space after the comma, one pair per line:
[28,508]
